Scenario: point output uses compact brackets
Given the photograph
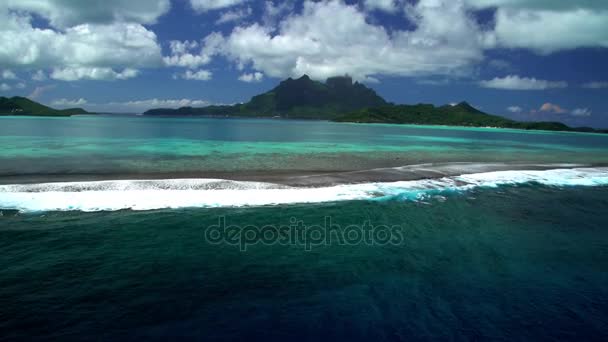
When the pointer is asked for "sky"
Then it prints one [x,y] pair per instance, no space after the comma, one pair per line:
[524,59]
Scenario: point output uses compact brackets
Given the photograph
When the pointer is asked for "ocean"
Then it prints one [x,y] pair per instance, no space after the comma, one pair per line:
[124,227]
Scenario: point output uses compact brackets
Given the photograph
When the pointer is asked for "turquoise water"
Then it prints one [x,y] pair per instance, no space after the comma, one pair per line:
[123,145]
[509,255]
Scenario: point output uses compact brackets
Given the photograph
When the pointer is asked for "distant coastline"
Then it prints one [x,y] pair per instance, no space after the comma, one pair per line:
[22,106]
[341,100]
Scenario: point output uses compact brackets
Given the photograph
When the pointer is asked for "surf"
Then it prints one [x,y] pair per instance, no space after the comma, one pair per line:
[209,193]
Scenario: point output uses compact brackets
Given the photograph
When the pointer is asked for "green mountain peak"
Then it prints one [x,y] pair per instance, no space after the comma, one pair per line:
[18,105]
[302,97]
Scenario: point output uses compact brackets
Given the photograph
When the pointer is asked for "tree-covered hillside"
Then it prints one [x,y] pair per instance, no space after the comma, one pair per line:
[23,106]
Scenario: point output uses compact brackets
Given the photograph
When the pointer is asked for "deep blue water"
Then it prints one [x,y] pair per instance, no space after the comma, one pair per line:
[521,262]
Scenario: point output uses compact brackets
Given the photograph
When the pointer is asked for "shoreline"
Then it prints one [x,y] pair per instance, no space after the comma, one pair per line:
[301,178]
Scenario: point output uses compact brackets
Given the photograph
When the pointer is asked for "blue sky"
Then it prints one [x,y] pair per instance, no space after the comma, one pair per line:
[526,59]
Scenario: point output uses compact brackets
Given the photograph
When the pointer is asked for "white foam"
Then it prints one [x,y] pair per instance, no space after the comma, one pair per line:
[184,193]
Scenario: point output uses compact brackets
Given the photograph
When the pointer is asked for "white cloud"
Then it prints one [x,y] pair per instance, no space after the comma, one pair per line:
[274,10]
[332,38]
[5,87]
[63,14]
[556,5]
[210,5]
[39,75]
[8,75]
[434,82]
[547,26]
[252,77]
[20,85]
[84,45]
[595,85]
[65,103]
[581,112]
[552,108]
[182,55]
[514,109]
[514,82]
[181,47]
[134,106]
[549,31]
[382,5]
[86,73]
[196,75]
[234,15]
[117,45]
[139,106]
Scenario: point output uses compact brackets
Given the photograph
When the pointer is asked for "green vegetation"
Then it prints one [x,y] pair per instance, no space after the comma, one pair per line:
[341,100]
[300,98]
[23,106]
[461,114]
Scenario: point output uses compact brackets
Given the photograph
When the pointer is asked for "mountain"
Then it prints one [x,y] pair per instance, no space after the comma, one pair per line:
[341,100]
[296,98]
[23,106]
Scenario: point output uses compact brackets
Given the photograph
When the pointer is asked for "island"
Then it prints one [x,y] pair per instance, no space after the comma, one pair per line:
[18,105]
[461,114]
[340,99]
[301,98]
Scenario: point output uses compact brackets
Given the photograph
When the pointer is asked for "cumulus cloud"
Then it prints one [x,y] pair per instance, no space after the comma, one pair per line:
[514,82]
[62,14]
[112,45]
[581,112]
[548,26]
[162,103]
[274,10]
[514,109]
[234,15]
[252,77]
[382,5]
[8,75]
[595,85]
[548,31]
[65,103]
[555,5]
[139,106]
[39,75]
[434,82]
[183,54]
[332,38]
[195,75]
[134,106]
[210,5]
[87,73]
[555,109]
[5,87]
[551,108]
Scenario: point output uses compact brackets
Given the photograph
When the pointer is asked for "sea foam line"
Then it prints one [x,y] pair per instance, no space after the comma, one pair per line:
[184,193]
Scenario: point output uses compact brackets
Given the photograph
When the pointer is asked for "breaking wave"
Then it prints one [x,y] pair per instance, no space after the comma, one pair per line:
[184,193]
